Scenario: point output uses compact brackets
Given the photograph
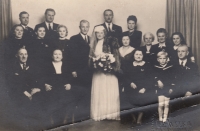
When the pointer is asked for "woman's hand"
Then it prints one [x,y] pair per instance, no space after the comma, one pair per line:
[133,85]
[35,90]
[28,95]
[170,91]
[160,84]
[142,90]
[48,87]
[67,87]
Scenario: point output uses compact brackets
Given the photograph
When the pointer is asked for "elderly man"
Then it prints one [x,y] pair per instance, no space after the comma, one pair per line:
[50,26]
[80,71]
[112,29]
[23,76]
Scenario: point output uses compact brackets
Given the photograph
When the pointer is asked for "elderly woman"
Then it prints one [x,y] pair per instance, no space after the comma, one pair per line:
[149,50]
[57,79]
[138,82]
[177,40]
[135,35]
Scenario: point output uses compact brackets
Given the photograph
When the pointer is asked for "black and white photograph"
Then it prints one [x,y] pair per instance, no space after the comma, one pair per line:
[99,65]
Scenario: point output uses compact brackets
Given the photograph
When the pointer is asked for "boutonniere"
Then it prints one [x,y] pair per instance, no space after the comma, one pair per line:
[112,30]
[16,74]
[27,67]
[142,69]
[187,68]
[46,45]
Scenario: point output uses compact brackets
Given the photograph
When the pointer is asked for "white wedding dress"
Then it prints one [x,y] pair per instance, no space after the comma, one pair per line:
[105,93]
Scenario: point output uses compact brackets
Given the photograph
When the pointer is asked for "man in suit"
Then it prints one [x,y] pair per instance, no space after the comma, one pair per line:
[50,26]
[80,71]
[112,29]
[187,73]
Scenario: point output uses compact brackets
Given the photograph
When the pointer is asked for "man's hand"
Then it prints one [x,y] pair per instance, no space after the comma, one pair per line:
[67,87]
[133,85]
[160,84]
[188,94]
[74,74]
[142,90]
[35,90]
[48,87]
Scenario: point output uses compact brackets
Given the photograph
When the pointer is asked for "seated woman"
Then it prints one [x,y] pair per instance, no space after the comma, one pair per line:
[63,43]
[137,83]
[177,40]
[57,79]
[135,35]
[149,50]
[13,44]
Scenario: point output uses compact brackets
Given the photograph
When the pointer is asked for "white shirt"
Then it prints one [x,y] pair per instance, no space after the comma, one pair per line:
[24,26]
[47,24]
[22,65]
[148,48]
[99,47]
[161,45]
[58,66]
[184,62]
[111,25]
[84,36]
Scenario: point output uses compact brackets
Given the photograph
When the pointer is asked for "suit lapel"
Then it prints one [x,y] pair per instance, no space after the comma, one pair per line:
[104,25]
[45,26]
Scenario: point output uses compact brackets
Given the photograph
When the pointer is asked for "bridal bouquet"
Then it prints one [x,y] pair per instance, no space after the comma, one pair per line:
[104,62]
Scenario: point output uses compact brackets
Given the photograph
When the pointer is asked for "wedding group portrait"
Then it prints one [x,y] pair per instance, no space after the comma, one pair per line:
[97,66]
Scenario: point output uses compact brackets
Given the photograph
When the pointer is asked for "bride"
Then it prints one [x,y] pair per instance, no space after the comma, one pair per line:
[105,89]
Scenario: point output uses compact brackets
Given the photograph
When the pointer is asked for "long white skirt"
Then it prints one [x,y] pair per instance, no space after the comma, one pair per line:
[105,97]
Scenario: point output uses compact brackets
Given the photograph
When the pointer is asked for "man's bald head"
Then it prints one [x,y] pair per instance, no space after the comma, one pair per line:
[183,52]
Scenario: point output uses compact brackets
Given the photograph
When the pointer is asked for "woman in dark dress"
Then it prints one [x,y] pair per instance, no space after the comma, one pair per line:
[135,35]
[56,80]
[40,48]
[177,40]
[138,82]
[13,44]
[63,43]
[149,50]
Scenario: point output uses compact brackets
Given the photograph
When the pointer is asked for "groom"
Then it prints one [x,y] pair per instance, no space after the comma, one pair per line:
[80,71]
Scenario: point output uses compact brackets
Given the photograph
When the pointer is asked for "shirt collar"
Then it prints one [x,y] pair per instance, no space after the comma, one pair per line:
[161,45]
[175,47]
[138,64]
[111,25]
[83,36]
[24,26]
[47,24]
[184,62]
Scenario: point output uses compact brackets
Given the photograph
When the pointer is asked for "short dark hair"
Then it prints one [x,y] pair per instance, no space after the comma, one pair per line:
[23,12]
[161,30]
[37,27]
[49,9]
[134,51]
[107,10]
[12,35]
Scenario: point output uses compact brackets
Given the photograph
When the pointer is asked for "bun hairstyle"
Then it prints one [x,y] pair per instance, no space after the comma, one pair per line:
[133,18]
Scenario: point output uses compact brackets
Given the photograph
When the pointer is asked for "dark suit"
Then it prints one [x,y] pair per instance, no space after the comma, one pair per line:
[135,38]
[50,34]
[151,56]
[82,83]
[187,77]
[29,33]
[116,31]
[80,59]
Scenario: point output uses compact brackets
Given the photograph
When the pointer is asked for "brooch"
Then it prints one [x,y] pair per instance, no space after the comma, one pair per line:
[142,69]
[16,74]
[46,46]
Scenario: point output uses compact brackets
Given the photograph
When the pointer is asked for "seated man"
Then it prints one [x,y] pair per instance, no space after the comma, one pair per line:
[186,73]
[22,77]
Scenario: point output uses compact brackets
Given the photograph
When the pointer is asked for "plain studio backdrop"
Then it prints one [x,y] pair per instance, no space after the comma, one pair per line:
[150,13]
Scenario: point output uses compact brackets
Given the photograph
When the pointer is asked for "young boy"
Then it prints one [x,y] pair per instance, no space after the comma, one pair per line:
[164,76]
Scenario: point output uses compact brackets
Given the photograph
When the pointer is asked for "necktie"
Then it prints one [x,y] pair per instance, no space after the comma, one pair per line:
[182,64]
[109,27]
[86,39]
[24,66]
[50,27]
